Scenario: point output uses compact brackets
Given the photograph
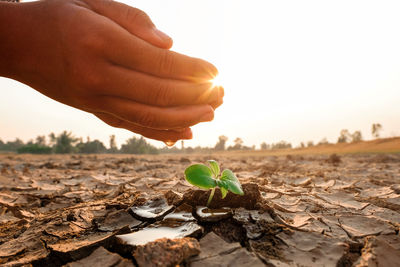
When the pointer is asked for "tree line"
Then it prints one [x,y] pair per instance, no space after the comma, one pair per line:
[66,143]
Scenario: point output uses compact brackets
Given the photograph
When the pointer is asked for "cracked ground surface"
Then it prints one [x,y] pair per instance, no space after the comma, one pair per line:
[310,211]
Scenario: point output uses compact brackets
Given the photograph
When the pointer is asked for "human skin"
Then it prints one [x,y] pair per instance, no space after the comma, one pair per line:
[108,59]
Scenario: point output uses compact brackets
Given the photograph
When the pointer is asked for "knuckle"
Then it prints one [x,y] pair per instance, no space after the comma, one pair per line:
[91,80]
[93,41]
[166,62]
[138,16]
[163,95]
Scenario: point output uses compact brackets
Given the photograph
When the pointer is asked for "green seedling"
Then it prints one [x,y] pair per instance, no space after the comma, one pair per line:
[209,177]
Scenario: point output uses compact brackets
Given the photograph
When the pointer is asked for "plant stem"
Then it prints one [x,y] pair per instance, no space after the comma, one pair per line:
[211,196]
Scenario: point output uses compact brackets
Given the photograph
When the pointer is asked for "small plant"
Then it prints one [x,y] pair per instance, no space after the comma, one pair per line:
[209,177]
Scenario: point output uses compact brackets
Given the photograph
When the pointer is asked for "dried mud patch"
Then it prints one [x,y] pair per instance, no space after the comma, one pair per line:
[112,210]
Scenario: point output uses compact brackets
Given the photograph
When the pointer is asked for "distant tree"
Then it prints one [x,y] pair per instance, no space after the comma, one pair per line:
[310,144]
[281,145]
[113,145]
[34,149]
[65,143]
[323,141]
[344,137]
[221,143]
[41,140]
[138,146]
[302,145]
[52,139]
[91,147]
[356,137]
[238,143]
[264,146]
[376,128]
[30,142]
[12,145]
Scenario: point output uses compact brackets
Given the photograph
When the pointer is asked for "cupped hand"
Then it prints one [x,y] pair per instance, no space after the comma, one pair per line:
[109,59]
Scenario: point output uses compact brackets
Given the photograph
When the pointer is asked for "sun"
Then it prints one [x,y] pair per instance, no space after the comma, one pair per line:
[217,81]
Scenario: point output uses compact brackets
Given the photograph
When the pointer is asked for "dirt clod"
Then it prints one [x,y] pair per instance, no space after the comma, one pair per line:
[166,252]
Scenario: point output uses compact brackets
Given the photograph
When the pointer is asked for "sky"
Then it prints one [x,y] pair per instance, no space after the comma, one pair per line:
[292,70]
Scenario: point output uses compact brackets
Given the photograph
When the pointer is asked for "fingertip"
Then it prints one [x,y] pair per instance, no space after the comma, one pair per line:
[165,40]
[217,104]
[221,91]
[188,134]
[213,70]
[208,114]
[203,70]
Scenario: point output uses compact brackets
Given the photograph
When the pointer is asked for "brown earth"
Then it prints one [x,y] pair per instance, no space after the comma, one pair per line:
[302,210]
[376,146]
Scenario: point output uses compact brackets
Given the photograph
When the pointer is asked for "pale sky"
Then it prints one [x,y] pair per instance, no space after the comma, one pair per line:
[292,70]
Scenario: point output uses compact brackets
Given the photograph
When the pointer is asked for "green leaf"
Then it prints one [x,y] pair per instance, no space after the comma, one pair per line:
[200,175]
[214,168]
[230,182]
[224,192]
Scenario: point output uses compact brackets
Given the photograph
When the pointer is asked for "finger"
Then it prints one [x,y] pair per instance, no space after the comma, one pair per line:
[154,117]
[216,104]
[151,90]
[161,135]
[124,49]
[133,20]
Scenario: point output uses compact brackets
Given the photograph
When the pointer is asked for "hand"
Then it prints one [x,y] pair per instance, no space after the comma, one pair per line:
[107,58]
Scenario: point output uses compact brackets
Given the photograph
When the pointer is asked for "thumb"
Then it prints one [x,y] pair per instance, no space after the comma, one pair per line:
[133,20]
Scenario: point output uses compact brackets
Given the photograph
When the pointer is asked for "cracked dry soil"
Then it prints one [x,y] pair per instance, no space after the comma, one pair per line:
[115,210]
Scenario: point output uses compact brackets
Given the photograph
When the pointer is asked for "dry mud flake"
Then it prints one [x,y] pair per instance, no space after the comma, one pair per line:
[101,257]
[173,197]
[249,200]
[361,226]
[215,252]
[75,249]
[166,252]
[117,220]
[342,199]
[378,253]
[25,249]
[311,249]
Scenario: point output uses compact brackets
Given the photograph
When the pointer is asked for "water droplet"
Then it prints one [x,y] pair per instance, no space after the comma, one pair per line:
[169,143]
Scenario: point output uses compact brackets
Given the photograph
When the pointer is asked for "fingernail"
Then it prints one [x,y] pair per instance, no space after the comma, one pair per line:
[164,37]
[209,116]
